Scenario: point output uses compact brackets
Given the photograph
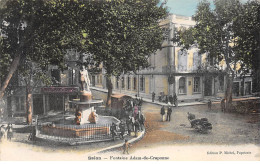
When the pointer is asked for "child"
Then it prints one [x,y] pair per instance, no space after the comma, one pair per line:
[126,146]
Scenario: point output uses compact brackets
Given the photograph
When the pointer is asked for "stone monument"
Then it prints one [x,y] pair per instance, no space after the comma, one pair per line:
[85,113]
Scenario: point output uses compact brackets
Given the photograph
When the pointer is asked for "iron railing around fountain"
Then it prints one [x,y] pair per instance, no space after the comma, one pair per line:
[74,133]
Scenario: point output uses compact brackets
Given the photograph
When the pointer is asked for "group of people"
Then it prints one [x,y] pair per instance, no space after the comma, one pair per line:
[131,124]
[165,98]
[222,104]
[133,121]
[166,111]
[6,132]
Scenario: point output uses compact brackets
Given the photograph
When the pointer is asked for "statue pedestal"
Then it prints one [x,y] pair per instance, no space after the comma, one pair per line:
[85,96]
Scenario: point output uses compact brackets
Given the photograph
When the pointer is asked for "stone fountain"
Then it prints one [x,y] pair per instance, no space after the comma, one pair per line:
[86,122]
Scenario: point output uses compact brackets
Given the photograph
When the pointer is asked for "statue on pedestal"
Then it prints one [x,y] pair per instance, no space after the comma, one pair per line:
[84,80]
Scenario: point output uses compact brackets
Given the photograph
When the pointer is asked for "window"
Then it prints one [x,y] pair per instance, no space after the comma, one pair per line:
[248,87]
[100,80]
[142,83]
[196,60]
[72,76]
[117,82]
[221,83]
[93,80]
[128,83]
[182,85]
[135,83]
[182,60]
[123,82]
[20,103]
[196,84]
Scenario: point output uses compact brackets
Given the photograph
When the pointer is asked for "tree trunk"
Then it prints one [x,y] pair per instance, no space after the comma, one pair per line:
[13,68]
[109,93]
[228,93]
[29,104]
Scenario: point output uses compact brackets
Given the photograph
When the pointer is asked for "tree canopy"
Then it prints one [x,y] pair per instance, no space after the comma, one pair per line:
[124,33]
[120,34]
[230,31]
[40,31]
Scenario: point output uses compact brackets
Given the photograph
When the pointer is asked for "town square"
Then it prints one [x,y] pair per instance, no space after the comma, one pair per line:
[129,80]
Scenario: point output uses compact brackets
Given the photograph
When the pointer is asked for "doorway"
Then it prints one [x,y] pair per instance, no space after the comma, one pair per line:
[208,86]
[56,102]
[38,104]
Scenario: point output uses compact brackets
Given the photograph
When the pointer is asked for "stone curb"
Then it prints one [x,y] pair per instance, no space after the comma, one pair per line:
[150,101]
[111,148]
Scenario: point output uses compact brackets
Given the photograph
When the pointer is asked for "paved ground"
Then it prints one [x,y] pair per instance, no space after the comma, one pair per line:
[228,128]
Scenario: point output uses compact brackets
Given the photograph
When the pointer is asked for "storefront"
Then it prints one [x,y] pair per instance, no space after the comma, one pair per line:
[57,98]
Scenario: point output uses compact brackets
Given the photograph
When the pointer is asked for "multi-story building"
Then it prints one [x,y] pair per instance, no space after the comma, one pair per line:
[187,73]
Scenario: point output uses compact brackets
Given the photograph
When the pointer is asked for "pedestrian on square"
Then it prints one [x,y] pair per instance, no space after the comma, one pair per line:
[133,123]
[122,130]
[141,102]
[166,99]
[169,112]
[137,125]
[162,112]
[135,111]
[171,99]
[2,132]
[175,100]
[141,121]
[223,106]
[209,104]
[113,130]
[126,146]
[153,96]
[129,124]
[9,130]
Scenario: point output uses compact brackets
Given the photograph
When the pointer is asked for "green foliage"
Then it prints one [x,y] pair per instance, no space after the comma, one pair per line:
[41,31]
[230,31]
[124,33]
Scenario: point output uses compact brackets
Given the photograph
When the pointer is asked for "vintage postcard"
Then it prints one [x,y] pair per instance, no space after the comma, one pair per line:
[130,80]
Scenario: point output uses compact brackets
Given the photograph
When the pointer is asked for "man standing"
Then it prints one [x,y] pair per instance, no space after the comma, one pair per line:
[171,99]
[142,120]
[137,125]
[153,96]
[223,105]
[162,113]
[129,125]
[122,130]
[169,112]
[166,99]
[209,104]
[126,146]
[175,100]
[113,130]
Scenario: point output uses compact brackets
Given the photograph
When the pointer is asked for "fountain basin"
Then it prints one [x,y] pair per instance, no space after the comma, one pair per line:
[65,129]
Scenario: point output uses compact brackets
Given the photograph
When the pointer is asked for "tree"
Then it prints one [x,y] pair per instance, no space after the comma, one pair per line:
[42,30]
[123,35]
[248,40]
[32,75]
[221,33]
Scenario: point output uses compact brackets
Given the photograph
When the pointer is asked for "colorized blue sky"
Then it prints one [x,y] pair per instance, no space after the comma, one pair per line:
[185,7]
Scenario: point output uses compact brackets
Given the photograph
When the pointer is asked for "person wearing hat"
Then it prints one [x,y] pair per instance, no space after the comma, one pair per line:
[169,112]
[162,112]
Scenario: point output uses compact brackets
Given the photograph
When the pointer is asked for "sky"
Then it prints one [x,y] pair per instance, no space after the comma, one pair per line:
[185,7]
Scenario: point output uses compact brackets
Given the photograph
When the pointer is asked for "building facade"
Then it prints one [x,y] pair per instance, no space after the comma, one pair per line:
[187,73]
[56,97]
